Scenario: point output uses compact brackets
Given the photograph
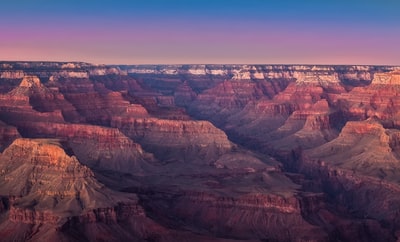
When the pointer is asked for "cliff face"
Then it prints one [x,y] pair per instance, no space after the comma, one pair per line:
[45,186]
[97,147]
[47,168]
[194,141]
[366,147]
[37,102]
[92,100]
[151,130]
[379,99]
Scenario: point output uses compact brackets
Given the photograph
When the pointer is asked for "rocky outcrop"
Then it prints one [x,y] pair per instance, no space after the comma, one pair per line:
[53,183]
[362,147]
[228,98]
[391,78]
[151,130]
[36,102]
[175,139]
[98,147]
[307,128]
[30,81]
[379,99]
[46,99]
[93,101]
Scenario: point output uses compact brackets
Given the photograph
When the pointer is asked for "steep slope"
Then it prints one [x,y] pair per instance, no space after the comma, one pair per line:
[35,168]
[44,99]
[301,115]
[100,148]
[43,185]
[16,103]
[360,170]
[365,148]
[379,99]
[195,141]
[93,100]
[307,128]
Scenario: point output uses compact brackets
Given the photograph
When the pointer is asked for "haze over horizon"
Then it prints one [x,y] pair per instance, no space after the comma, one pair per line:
[201,32]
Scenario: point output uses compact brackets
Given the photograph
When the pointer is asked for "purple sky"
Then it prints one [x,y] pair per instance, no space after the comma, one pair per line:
[180,32]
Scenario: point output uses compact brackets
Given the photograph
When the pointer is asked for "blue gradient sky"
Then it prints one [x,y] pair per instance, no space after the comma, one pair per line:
[201,31]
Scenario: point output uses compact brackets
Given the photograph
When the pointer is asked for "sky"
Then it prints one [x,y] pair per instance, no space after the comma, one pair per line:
[201,31]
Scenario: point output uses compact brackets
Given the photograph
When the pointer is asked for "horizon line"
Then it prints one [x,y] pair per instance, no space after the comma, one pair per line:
[177,64]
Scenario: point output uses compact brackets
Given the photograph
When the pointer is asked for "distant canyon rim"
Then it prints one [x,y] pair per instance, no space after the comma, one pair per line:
[199,152]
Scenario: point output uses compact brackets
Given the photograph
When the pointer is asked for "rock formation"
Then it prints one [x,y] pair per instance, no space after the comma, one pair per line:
[199,152]
[172,139]
[98,147]
[44,185]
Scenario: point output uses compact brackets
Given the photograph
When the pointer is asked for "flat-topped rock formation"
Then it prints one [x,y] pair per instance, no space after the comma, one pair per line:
[391,78]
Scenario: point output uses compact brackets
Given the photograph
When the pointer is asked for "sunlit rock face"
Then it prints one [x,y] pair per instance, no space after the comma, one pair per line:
[30,81]
[391,78]
[199,152]
[100,148]
[45,186]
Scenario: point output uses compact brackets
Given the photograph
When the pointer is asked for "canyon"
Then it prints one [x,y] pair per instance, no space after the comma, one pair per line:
[199,152]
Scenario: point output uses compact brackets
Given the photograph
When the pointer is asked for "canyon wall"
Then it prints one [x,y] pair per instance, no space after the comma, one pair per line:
[199,152]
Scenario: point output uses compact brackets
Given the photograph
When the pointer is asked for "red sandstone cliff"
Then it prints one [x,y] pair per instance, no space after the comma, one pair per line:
[195,141]
[97,147]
